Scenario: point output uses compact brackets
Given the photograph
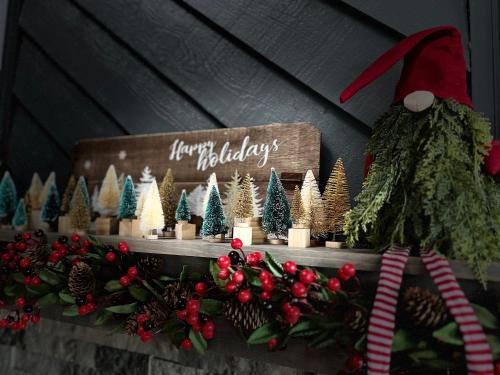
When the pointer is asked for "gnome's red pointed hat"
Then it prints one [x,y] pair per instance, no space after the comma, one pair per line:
[433,61]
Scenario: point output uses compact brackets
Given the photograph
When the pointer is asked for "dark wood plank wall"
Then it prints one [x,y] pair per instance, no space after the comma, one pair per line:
[92,68]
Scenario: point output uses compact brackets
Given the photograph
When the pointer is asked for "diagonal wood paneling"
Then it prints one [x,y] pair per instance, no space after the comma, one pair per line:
[134,95]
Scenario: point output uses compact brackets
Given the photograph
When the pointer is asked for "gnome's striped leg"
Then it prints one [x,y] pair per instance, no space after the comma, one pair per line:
[383,315]
[477,349]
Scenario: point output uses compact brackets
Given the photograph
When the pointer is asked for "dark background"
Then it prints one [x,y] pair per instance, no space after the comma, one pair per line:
[94,68]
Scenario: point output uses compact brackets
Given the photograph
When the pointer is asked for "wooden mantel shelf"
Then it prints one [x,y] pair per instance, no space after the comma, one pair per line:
[365,260]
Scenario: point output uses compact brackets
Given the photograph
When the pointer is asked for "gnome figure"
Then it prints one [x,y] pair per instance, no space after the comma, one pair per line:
[430,187]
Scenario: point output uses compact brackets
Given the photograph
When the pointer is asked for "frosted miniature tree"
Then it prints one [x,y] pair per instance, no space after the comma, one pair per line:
[79,211]
[128,200]
[152,213]
[195,199]
[144,181]
[46,187]
[244,205]
[297,209]
[109,195]
[95,199]
[50,209]
[256,200]
[337,199]
[20,218]
[35,190]
[182,213]
[214,221]
[167,195]
[140,204]
[68,194]
[276,215]
[212,182]
[314,211]
[8,198]
[230,200]
[121,181]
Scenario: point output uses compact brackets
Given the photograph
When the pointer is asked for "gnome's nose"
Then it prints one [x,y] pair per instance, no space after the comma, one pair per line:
[419,100]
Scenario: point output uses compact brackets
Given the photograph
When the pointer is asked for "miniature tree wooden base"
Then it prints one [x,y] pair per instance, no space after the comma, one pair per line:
[20,228]
[249,231]
[168,233]
[217,238]
[277,241]
[335,244]
[299,237]
[106,226]
[151,235]
[64,224]
[185,231]
[6,227]
[80,232]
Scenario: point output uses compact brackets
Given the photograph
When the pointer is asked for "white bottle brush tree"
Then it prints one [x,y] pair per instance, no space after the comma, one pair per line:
[152,213]
[145,180]
[109,195]
[35,190]
[314,210]
[195,199]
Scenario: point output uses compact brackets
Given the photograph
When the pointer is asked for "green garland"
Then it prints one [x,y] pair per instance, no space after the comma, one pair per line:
[426,187]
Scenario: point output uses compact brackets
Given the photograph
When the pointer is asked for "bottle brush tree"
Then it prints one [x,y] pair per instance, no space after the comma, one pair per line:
[167,195]
[244,206]
[182,213]
[195,199]
[212,182]
[297,211]
[140,204]
[214,222]
[94,201]
[313,206]
[144,181]
[336,198]
[79,211]
[109,195]
[8,198]
[128,200]
[256,200]
[51,179]
[152,213]
[50,209]
[67,195]
[231,196]
[20,218]
[35,190]
[276,215]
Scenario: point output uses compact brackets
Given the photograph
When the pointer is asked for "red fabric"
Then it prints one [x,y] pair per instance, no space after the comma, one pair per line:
[369,159]
[492,161]
[433,61]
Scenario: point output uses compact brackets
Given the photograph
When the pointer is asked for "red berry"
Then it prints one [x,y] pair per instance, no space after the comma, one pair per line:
[307,276]
[132,272]
[244,296]
[285,307]
[89,297]
[123,247]
[196,327]
[193,306]
[140,331]
[271,344]
[293,315]
[299,290]
[146,336]
[83,310]
[342,276]
[238,277]
[25,318]
[26,236]
[290,267]
[265,296]
[5,258]
[82,251]
[186,344]
[258,256]
[224,274]
[265,276]
[267,286]
[110,256]
[124,281]
[86,243]
[208,333]
[4,323]
[200,288]
[224,261]
[251,259]
[355,362]
[27,280]
[75,261]
[192,319]
[236,244]
[20,302]
[24,263]
[11,246]
[141,318]
[349,270]
[231,287]
[35,319]
[334,284]
[75,237]
[21,246]
[15,326]
[35,281]
[181,314]
[209,325]
[23,326]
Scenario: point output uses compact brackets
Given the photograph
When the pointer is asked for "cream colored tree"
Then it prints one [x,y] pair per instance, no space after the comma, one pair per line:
[35,190]
[256,199]
[95,199]
[152,213]
[51,180]
[314,209]
[121,181]
[109,195]
[140,204]
[212,181]
[230,200]
[195,199]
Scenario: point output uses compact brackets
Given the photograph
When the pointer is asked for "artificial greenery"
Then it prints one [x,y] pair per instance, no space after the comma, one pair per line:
[276,217]
[214,221]
[128,200]
[182,213]
[426,186]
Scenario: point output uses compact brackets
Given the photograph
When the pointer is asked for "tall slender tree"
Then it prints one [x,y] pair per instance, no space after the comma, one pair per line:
[68,194]
[50,209]
[109,195]
[212,182]
[128,200]
[276,215]
[337,199]
[230,200]
[35,190]
[195,199]
[297,210]
[79,211]
[152,214]
[168,196]
[8,198]
[140,204]
[20,218]
[182,213]
[214,222]
[244,206]
[313,206]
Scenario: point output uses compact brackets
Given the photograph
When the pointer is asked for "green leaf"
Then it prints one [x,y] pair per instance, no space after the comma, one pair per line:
[486,318]
[263,334]
[184,273]
[123,309]
[307,328]
[92,256]
[13,290]
[102,317]
[324,339]
[210,306]
[360,345]
[275,267]
[252,276]
[139,293]
[494,342]
[438,363]
[18,277]
[422,355]
[198,341]
[65,297]
[403,340]
[49,277]
[113,286]
[71,311]
[214,270]
[449,334]
[38,290]
[48,299]
[166,278]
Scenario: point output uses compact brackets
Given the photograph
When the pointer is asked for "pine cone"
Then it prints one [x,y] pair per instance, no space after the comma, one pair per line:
[175,292]
[150,266]
[424,308]
[157,312]
[81,279]
[246,317]
[356,319]
[131,326]
[38,254]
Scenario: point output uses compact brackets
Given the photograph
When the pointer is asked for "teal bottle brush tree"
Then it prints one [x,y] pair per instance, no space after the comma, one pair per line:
[215,222]
[276,217]
[8,199]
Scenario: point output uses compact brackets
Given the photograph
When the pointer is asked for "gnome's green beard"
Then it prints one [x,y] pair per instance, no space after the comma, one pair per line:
[426,186]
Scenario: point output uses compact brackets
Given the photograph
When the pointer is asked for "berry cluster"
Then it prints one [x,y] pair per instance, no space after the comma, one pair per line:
[144,327]
[19,319]
[86,304]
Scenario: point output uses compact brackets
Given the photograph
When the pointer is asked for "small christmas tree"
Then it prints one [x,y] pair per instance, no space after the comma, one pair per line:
[109,195]
[244,206]
[140,204]
[167,195]
[276,215]
[230,200]
[8,198]
[256,200]
[35,190]
[121,182]
[182,213]
[68,194]
[144,181]
[152,214]
[297,211]
[79,211]
[95,200]
[50,209]
[128,200]
[212,182]
[195,199]
[46,187]
[20,218]
[313,206]
[214,222]
[336,198]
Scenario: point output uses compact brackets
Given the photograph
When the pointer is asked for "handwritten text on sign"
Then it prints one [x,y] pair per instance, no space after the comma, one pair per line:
[209,157]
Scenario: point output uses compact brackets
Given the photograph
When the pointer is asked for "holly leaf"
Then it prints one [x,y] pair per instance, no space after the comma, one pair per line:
[13,290]
[402,341]
[449,334]
[18,277]
[48,300]
[210,306]
[138,293]
[38,290]
[49,277]
[71,310]
[486,318]
[184,273]
[66,298]
[423,355]
[275,267]
[214,271]
[263,334]
[166,278]
[199,343]
[123,309]
[360,345]
[113,286]
[324,339]
[252,276]
[307,328]
[102,317]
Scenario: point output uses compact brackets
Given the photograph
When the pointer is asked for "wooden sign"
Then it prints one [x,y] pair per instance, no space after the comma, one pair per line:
[291,149]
